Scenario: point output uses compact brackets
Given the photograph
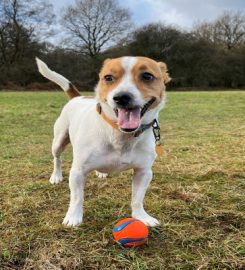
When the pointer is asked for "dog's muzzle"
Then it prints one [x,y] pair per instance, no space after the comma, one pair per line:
[128,115]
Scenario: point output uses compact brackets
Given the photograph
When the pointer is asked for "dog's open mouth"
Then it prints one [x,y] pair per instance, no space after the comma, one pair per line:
[129,119]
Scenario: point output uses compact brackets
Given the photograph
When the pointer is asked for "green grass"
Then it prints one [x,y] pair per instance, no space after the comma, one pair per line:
[197,192]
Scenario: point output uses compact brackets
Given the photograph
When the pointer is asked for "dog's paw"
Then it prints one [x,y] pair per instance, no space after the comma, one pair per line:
[101,175]
[56,178]
[147,219]
[73,219]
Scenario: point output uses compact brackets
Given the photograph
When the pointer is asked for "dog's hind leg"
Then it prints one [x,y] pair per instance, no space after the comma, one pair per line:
[61,139]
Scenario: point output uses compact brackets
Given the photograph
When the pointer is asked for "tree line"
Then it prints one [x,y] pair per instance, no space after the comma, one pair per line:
[211,55]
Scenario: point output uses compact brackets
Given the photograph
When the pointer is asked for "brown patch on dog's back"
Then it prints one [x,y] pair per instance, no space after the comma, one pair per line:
[72,92]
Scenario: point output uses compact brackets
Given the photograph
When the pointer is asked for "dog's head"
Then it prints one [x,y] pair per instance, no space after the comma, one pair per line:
[130,88]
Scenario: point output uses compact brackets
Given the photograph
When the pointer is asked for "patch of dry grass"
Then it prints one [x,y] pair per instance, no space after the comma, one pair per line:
[197,192]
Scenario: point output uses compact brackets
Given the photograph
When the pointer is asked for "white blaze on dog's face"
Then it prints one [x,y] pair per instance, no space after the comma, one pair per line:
[127,84]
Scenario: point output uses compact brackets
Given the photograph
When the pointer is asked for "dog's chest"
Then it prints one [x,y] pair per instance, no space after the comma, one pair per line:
[117,158]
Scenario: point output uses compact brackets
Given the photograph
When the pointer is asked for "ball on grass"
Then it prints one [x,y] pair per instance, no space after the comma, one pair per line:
[130,232]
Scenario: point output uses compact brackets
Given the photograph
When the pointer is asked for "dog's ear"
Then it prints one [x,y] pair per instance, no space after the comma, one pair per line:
[165,75]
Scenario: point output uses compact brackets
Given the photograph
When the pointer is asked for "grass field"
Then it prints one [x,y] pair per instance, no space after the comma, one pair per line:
[197,192]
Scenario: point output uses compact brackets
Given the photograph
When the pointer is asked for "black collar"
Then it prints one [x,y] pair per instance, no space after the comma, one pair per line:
[155,127]
[142,128]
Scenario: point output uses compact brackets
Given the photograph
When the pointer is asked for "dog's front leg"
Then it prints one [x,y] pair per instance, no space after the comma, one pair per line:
[141,181]
[74,215]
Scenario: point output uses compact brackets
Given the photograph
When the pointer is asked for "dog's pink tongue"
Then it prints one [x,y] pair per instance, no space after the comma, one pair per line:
[129,119]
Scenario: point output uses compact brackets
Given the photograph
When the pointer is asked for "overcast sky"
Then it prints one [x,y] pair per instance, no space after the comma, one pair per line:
[178,12]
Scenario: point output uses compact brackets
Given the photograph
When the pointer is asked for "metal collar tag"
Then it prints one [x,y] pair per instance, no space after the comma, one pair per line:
[156,131]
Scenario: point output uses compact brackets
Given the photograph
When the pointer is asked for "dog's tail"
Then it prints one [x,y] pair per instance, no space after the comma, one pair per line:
[66,85]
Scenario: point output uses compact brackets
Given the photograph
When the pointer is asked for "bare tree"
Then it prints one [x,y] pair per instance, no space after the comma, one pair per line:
[22,22]
[228,30]
[231,29]
[206,31]
[93,25]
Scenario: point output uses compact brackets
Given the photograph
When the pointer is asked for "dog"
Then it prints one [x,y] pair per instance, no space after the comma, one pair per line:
[111,132]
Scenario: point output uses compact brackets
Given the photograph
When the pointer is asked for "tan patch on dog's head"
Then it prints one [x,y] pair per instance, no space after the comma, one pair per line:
[156,87]
[114,68]
[148,89]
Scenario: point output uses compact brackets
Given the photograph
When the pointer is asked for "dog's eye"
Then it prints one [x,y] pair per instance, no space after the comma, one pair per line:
[108,78]
[146,76]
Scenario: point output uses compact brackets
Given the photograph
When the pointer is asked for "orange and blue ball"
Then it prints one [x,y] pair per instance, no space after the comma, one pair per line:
[130,232]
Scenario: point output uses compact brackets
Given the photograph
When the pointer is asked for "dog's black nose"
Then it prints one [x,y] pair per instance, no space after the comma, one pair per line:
[123,99]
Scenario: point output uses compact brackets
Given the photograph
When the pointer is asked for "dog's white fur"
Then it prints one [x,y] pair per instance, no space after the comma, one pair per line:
[98,146]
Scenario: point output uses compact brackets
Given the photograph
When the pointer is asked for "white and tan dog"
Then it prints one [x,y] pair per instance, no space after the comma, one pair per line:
[112,132]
